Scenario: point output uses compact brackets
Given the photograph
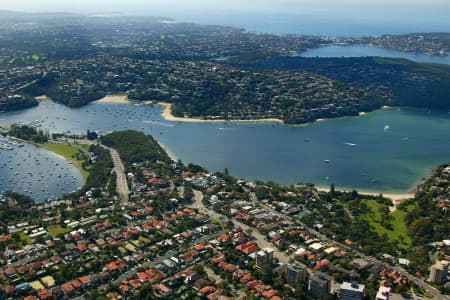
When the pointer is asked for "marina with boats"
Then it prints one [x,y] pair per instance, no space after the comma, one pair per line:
[36,172]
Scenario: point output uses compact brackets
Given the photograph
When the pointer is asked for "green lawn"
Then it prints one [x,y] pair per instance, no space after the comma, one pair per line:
[67,151]
[398,225]
[25,239]
[56,231]
[85,146]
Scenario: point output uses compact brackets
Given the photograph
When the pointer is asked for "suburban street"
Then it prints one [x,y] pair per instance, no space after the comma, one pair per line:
[284,258]
[260,239]
[132,272]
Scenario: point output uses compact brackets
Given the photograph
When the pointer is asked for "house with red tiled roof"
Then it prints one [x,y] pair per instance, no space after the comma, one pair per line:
[246,278]
[194,253]
[85,281]
[5,239]
[81,248]
[189,211]
[36,265]
[56,259]
[223,238]
[124,289]
[218,259]
[227,267]
[121,264]
[322,264]
[269,294]
[187,235]
[186,258]
[135,284]
[76,284]
[112,267]
[45,294]
[67,289]
[251,249]
[143,277]
[349,242]
[200,247]
[8,289]
[163,290]
[216,295]
[248,248]
[113,295]
[207,290]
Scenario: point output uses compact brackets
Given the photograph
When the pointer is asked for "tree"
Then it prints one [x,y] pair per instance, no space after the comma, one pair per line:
[91,135]
[421,228]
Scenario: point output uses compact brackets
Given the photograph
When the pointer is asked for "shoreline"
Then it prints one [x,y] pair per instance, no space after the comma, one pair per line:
[396,198]
[167,114]
[123,99]
[164,147]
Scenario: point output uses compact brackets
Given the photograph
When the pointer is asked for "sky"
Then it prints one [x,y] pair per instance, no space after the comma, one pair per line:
[405,12]
[266,6]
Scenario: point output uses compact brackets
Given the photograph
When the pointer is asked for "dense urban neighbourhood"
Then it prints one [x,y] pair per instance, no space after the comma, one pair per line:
[403,82]
[187,233]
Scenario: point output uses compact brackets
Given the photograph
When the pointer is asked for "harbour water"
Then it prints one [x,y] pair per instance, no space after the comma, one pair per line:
[385,151]
[36,172]
[359,51]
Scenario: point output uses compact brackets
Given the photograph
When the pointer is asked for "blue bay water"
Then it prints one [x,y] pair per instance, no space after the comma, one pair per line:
[362,154]
[325,24]
[359,51]
[36,172]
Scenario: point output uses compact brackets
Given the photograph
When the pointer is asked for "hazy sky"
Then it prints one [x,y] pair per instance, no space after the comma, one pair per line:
[307,6]
[408,11]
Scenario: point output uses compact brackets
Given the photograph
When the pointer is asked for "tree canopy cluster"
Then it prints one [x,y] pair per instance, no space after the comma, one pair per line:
[135,147]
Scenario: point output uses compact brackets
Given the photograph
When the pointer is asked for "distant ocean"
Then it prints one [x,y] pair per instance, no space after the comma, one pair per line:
[328,26]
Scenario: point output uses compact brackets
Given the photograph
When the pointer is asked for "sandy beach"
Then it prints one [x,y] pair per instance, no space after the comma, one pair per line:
[167,114]
[114,99]
[396,198]
[171,156]
[42,98]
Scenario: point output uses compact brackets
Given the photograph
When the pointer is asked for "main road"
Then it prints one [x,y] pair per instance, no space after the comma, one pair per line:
[119,169]
[260,239]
